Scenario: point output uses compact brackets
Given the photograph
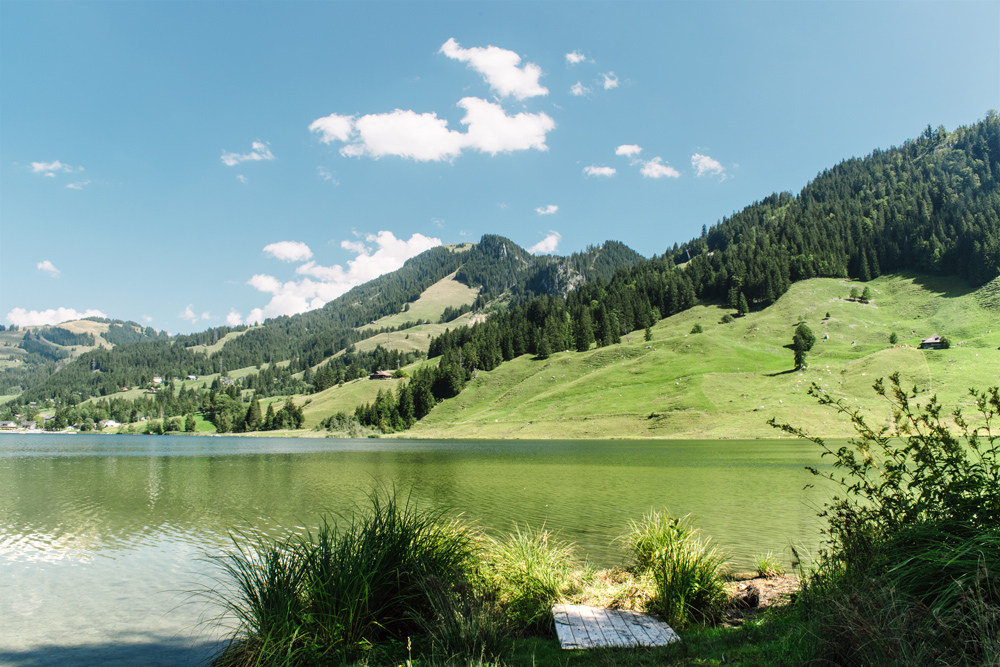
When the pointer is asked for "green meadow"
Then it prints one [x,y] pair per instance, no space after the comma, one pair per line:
[729,380]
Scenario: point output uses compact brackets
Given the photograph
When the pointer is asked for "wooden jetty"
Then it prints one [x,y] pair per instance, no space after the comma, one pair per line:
[580,626]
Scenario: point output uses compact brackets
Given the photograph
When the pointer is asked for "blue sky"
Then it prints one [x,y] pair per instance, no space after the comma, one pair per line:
[188,164]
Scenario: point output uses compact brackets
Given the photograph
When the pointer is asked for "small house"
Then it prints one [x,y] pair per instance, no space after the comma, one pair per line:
[931,343]
[192,377]
[7,426]
[380,375]
[30,426]
[108,423]
[157,379]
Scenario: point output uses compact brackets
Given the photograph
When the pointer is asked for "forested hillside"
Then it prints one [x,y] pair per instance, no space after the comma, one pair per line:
[932,205]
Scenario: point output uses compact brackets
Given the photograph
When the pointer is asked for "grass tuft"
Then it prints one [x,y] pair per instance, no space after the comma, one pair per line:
[767,565]
[687,571]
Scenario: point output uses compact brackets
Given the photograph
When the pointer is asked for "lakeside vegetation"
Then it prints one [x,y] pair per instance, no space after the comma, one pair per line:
[908,573]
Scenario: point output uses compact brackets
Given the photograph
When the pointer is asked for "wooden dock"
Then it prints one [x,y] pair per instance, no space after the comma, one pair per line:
[580,626]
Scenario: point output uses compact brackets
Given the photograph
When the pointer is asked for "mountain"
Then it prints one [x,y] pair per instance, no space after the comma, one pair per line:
[931,205]
[307,339]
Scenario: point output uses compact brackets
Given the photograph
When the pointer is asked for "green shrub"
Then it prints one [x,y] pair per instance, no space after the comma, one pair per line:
[527,571]
[687,571]
[909,572]
[297,600]
[727,318]
[696,329]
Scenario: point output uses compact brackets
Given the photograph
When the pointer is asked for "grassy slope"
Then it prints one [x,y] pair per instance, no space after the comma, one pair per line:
[727,381]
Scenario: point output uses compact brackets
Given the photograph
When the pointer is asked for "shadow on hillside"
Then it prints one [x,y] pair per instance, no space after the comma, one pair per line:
[780,373]
[949,287]
[165,651]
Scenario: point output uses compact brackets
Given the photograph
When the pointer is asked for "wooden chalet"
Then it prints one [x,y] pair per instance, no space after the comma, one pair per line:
[380,375]
[931,343]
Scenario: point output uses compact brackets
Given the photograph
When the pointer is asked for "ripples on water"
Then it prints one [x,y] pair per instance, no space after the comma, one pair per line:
[98,533]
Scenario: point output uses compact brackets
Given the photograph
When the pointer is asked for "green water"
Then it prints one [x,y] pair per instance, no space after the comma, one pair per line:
[100,536]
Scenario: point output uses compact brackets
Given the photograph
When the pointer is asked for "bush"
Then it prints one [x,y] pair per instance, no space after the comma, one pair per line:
[527,571]
[908,574]
[300,599]
[696,329]
[686,570]
[727,318]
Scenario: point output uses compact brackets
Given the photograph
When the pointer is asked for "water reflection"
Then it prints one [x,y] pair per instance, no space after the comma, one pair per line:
[94,528]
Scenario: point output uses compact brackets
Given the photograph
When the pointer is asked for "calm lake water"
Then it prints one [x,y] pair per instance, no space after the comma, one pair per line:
[101,536]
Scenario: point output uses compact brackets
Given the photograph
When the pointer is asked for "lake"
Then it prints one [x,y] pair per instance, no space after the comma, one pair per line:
[101,537]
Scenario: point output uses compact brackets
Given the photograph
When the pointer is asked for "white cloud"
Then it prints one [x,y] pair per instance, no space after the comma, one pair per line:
[327,175]
[628,150]
[546,210]
[579,89]
[492,131]
[407,134]
[242,179]
[234,319]
[333,128]
[289,251]
[34,318]
[78,185]
[259,150]
[599,171]
[547,245]
[50,168]
[437,223]
[49,268]
[206,315]
[706,166]
[425,137]
[499,68]
[575,58]
[610,80]
[657,168]
[297,296]
[147,318]
[188,314]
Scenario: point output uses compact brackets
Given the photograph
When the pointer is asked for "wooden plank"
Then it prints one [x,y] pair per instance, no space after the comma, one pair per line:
[617,621]
[582,627]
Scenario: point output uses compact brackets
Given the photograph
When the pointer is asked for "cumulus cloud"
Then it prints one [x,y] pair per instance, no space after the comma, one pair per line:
[599,171]
[234,319]
[628,150]
[706,166]
[325,283]
[50,168]
[547,245]
[35,318]
[657,168]
[579,89]
[499,68]
[242,179]
[78,185]
[206,315]
[147,318]
[189,314]
[289,251]
[424,137]
[575,58]
[333,128]
[546,210]
[610,80]
[49,268]
[259,150]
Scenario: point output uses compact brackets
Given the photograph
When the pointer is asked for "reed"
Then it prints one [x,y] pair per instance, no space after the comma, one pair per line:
[687,571]
[527,571]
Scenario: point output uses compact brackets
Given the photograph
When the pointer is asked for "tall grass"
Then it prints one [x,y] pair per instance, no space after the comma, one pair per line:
[298,600]
[687,571]
[527,571]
